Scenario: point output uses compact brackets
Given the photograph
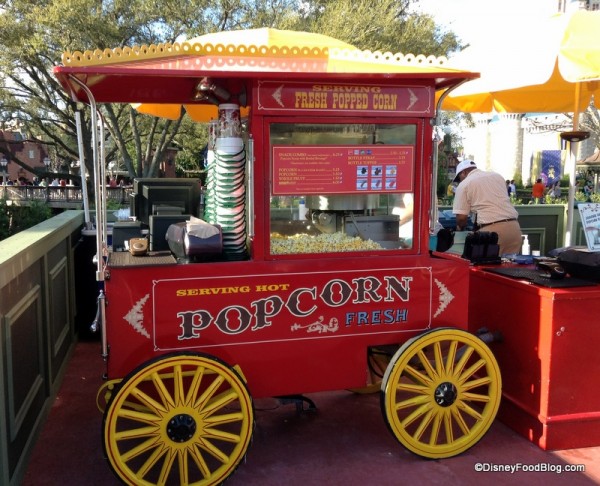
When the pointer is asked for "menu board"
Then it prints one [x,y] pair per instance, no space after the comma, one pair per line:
[347,169]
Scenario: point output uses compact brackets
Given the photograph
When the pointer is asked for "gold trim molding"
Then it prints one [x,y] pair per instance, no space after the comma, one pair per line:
[118,55]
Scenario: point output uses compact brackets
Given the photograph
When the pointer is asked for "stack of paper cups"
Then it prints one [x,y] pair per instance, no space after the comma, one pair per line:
[227,198]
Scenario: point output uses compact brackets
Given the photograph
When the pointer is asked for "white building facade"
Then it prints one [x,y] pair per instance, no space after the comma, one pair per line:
[515,145]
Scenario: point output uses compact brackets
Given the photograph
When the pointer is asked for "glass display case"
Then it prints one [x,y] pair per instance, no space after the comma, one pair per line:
[341,187]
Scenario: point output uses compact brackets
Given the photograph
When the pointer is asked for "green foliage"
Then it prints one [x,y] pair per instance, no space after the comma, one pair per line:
[388,26]
[32,40]
[191,141]
[518,178]
[549,199]
[442,183]
[115,205]
[18,218]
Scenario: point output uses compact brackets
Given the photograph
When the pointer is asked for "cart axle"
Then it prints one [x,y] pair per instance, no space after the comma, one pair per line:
[445,394]
[181,428]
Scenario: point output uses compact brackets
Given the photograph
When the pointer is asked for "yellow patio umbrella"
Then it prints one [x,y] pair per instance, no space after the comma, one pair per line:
[551,67]
[170,111]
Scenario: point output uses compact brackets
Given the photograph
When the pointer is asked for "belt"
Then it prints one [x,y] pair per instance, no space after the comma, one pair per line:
[496,222]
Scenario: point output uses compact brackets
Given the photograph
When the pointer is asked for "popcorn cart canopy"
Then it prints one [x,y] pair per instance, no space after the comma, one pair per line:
[162,78]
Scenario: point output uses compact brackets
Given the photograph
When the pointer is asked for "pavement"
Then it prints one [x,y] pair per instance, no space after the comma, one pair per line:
[343,442]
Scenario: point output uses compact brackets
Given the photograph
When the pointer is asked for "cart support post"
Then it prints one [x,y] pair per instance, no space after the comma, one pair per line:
[102,312]
[100,189]
[250,166]
[83,169]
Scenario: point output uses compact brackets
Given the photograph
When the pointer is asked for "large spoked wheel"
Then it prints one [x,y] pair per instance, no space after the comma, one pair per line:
[179,419]
[441,392]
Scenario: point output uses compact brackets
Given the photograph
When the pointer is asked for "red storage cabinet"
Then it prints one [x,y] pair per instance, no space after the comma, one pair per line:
[548,357]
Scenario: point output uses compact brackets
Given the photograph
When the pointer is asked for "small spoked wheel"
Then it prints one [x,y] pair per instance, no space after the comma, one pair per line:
[179,419]
[441,392]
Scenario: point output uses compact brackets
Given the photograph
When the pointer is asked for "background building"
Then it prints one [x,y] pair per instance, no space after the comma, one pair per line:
[13,145]
[521,147]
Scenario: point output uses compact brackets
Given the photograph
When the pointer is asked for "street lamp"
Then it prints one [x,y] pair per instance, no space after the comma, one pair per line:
[3,163]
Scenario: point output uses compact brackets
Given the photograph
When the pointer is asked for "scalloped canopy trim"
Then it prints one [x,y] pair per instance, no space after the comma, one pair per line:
[118,55]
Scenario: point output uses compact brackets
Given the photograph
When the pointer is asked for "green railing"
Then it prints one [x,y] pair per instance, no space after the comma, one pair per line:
[37,331]
[56,196]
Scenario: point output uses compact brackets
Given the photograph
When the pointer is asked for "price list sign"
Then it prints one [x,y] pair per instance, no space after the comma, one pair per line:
[318,169]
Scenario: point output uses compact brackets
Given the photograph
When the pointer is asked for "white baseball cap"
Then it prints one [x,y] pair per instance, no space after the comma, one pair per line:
[462,165]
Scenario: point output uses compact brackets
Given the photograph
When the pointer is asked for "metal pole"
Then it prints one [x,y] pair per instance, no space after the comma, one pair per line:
[573,138]
[571,171]
[250,169]
[83,171]
[571,196]
[433,210]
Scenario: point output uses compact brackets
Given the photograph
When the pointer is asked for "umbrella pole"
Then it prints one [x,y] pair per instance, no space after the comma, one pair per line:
[571,197]
[571,170]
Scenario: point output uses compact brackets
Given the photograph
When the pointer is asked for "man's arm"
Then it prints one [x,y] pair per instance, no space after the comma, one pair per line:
[461,221]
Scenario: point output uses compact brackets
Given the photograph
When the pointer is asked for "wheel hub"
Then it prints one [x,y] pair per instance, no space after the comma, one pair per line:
[445,394]
[181,428]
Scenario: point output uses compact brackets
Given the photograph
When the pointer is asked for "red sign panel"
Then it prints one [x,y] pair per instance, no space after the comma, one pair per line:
[221,311]
[326,169]
[348,98]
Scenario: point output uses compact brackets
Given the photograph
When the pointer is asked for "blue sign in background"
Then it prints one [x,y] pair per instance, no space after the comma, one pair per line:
[551,168]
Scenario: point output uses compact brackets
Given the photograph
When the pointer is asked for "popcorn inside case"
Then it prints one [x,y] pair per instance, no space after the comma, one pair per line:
[341,188]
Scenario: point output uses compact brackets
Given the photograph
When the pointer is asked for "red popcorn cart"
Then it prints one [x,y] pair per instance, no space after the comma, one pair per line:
[300,265]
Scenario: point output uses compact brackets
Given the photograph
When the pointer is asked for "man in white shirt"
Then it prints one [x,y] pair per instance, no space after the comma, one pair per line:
[485,194]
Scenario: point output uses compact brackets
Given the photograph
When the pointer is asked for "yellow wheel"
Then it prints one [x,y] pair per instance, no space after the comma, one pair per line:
[179,419]
[441,392]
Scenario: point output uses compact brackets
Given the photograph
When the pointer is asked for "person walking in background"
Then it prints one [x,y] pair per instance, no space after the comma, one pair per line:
[537,192]
[485,194]
[513,188]
[555,191]
[588,191]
